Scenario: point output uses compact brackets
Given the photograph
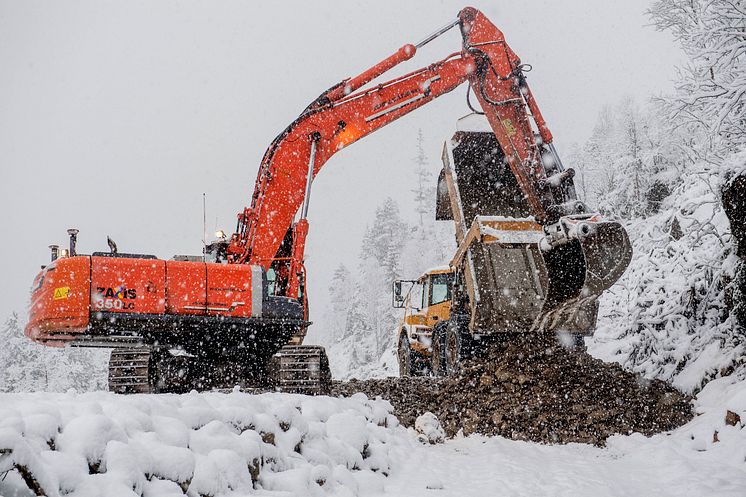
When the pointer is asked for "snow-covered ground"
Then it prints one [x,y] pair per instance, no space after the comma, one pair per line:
[238,444]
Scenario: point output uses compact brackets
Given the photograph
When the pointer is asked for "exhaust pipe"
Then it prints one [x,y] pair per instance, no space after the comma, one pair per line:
[55,251]
[73,240]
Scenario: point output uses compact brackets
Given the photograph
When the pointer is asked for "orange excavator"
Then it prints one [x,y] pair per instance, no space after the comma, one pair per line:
[218,319]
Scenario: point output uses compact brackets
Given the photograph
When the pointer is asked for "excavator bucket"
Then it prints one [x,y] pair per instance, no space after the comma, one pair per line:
[589,264]
[579,271]
[607,252]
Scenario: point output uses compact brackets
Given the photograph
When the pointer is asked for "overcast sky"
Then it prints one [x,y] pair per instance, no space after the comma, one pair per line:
[115,117]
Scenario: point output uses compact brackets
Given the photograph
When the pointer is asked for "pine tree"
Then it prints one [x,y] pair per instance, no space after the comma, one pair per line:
[582,172]
[424,192]
[385,239]
[341,294]
[625,161]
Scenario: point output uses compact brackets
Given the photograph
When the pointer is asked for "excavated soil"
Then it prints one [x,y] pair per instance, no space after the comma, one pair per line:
[535,389]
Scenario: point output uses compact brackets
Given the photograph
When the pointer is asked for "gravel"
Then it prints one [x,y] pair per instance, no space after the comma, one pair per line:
[534,389]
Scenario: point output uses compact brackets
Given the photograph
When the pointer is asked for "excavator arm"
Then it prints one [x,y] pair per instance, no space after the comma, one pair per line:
[343,114]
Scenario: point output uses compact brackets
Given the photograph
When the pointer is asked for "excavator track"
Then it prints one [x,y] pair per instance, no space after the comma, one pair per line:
[129,370]
[302,369]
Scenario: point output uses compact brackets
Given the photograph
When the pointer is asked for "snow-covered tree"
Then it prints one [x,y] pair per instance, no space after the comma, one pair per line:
[630,162]
[711,86]
[669,316]
[384,240]
[340,298]
[361,319]
[424,191]
[674,313]
[583,172]
[26,366]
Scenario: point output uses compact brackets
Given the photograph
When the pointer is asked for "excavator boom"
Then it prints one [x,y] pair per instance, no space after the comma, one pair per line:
[341,116]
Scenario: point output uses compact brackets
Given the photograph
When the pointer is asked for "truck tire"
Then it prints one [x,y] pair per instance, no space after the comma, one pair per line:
[437,357]
[404,355]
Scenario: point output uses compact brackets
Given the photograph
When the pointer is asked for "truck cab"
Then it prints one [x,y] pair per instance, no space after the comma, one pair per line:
[426,301]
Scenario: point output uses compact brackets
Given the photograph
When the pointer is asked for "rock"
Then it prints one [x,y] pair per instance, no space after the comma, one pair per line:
[267,437]
[731,418]
[734,204]
[428,426]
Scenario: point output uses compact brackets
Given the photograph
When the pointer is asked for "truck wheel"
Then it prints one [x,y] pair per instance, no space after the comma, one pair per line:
[404,354]
[437,357]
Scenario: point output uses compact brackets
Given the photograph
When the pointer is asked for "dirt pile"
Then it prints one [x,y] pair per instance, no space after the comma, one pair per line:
[535,389]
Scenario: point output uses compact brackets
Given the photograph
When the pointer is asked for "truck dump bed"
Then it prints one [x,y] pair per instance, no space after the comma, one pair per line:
[510,282]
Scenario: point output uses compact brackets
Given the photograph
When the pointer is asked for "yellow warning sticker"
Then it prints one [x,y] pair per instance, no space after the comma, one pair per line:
[508,124]
[62,292]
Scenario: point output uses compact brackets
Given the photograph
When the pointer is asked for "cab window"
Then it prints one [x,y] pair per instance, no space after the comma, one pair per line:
[271,281]
[440,288]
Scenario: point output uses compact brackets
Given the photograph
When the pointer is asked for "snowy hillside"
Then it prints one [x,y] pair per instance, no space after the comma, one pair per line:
[669,316]
[234,444]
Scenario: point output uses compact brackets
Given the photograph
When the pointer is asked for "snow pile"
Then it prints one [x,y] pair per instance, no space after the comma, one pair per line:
[345,364]
[199,444]
[669,317]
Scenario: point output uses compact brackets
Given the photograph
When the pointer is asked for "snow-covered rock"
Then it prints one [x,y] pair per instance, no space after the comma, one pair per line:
[205,444]
[429,429]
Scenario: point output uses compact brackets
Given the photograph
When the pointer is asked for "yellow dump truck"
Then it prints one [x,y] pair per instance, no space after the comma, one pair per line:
[426,302]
